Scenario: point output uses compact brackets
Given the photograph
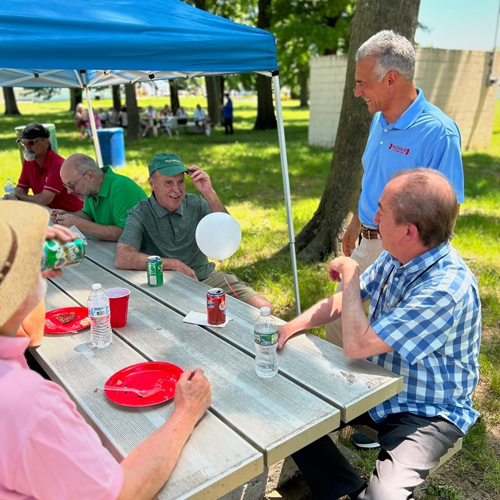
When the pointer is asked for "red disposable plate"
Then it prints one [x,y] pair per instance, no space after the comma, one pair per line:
[144,376]
[52,325]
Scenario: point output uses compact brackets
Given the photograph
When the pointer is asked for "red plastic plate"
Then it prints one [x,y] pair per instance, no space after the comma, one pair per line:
[144,376]
[53,326]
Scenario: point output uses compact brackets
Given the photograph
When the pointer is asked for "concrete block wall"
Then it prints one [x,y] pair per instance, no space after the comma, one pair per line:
[327,83]
[453,80]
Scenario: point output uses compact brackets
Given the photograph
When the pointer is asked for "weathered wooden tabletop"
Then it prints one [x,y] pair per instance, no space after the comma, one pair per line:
[252,421]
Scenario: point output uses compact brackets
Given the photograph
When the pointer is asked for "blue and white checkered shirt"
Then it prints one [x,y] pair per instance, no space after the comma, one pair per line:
[429,312]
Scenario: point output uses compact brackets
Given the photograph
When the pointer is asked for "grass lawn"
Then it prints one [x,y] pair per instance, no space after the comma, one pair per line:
[245,170]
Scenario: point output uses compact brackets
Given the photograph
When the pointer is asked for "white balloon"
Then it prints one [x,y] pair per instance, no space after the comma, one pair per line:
[218,235]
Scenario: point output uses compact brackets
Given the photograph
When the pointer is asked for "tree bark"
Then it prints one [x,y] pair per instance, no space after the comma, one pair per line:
[320,237]
[133,128]
[266,118]
[304,91]
[213,99]
[174,96]
[10,101]
[75,97]
[117,101]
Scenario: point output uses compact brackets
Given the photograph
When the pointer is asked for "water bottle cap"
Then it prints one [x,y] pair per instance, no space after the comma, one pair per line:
[265,311]
[97,286]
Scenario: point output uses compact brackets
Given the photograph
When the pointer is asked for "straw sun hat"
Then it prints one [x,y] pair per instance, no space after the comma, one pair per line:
[22,233]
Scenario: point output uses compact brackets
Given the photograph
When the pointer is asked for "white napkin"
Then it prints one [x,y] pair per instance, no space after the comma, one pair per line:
[77,231]
[201,319]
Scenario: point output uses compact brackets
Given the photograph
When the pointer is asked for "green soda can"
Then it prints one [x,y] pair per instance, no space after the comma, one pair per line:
[155,271]
[57,254]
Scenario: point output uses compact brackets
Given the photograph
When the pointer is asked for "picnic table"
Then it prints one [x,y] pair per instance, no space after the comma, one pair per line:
[174,123]
[252,422]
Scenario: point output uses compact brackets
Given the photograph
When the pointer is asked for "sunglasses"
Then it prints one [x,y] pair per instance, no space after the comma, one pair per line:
[28,142]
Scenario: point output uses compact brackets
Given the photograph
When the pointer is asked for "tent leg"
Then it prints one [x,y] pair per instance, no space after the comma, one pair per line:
[93,128]
[286,188]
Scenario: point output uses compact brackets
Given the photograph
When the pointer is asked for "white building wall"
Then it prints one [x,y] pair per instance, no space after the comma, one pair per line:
[453,80]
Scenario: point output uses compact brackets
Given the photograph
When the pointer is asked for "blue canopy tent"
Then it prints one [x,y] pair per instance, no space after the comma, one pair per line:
[91,43]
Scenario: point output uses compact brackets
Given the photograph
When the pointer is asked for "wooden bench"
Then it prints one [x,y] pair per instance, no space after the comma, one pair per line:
[373,434]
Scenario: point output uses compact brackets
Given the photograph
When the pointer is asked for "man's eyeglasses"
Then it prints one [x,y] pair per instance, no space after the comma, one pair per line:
[27,143]
[72,187]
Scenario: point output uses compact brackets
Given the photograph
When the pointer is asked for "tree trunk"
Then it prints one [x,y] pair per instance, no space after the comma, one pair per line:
[265,108]
[10,101]
[320,237]
[304,91]
[117,101]
[133,128]
[213,99]
[75,97]
[174,96]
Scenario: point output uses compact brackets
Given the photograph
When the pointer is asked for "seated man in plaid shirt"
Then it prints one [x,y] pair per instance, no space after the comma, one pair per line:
[424,323]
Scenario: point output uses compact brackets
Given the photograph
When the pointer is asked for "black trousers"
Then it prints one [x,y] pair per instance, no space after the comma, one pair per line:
[228,125]
[410,447]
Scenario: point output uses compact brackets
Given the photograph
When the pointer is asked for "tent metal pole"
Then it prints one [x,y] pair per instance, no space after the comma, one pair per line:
[286,188]
[93,127]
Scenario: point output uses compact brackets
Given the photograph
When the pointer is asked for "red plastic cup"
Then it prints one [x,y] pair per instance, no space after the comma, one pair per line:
[118,306]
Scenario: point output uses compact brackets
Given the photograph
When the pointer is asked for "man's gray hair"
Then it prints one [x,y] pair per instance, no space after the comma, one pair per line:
[428,200]
[83,163]
[392,52]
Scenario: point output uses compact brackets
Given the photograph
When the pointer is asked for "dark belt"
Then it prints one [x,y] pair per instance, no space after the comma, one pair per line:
[370,234]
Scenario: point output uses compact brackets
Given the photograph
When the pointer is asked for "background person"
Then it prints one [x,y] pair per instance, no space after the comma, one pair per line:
[165,225]
[41,172]
[424,324]
[227,113]
[108,197]
[201,119]
[48,450]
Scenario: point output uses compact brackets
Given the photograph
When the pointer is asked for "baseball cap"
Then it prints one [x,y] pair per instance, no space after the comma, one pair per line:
[34,131]
[166,164]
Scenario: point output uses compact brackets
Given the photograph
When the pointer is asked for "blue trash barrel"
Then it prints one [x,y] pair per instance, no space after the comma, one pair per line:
[112,146]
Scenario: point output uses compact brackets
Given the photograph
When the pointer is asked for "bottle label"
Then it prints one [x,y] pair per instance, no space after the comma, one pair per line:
[266,339]
[98,311]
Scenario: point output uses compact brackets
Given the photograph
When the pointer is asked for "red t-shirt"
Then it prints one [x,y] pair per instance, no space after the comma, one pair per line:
[47,177]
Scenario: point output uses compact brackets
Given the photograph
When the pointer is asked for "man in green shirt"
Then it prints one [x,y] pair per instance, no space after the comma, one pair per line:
[165,225]
[108,197]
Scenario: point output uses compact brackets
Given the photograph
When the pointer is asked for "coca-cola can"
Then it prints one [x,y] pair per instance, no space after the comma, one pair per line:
[216,306]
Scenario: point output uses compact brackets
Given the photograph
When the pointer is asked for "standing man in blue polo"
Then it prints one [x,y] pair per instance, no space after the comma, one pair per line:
[406,132]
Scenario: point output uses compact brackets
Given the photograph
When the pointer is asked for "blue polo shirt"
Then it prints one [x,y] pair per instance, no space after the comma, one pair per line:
[423,136]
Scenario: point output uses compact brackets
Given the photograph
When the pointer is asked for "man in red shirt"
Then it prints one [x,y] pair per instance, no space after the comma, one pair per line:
[40,172]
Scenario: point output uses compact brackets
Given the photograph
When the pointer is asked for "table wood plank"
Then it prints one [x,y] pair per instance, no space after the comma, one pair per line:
[353,386]
[203,470]
[276,416]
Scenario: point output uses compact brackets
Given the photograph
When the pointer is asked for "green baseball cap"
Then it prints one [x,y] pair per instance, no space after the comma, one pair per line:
[166,164]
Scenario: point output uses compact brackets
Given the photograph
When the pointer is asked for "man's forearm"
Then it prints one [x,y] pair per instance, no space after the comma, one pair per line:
[214,203]
[318,315]
[104,232]
[149,466]
[43,198]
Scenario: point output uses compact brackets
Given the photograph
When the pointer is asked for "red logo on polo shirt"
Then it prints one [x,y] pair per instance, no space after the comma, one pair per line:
[399,149]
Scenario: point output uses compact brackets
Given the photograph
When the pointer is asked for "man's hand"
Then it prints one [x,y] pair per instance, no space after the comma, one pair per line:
[350,238]
[192,394]
[201,180]
[10,196]
[342,266]
[284,333]
[67,220]
[62,234]
[55,213]
[177,265]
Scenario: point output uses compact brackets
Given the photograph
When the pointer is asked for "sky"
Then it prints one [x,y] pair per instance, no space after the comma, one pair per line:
[458,24]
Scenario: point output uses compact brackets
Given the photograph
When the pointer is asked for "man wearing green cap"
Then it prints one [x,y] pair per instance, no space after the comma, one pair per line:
[165,225]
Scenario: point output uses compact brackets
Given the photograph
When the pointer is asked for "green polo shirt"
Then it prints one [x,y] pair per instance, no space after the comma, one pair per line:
[118,194]
[153,230]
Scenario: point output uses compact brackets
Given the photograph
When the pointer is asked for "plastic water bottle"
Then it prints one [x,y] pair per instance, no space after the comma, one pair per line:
[9,187]
[266,343]
[101,334]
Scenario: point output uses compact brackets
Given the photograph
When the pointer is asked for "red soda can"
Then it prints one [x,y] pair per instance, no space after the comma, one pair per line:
[216,306]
